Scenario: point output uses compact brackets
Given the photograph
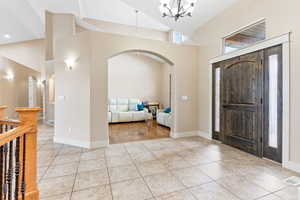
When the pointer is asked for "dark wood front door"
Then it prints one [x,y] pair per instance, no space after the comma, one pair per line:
[241,102]
[247,102]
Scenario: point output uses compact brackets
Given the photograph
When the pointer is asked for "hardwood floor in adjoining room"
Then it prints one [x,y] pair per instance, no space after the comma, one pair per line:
[136,131]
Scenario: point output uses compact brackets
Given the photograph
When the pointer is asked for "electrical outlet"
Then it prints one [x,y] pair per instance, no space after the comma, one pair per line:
[70,130]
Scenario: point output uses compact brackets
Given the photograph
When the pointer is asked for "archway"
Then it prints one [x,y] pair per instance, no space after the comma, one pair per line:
[124,126]
[145,52]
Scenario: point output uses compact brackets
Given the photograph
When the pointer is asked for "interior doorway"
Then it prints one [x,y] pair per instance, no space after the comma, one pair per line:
[247,102]
[140,95]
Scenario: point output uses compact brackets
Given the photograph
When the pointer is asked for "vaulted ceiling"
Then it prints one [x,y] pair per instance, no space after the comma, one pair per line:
[24,19]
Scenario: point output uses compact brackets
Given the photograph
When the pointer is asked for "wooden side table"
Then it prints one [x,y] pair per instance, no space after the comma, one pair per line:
[152,107]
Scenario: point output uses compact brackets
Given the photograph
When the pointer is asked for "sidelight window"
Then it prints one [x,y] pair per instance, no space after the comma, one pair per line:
[273,101]
[217,99]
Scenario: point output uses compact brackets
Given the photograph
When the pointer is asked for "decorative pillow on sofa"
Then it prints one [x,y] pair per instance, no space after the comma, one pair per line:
[140,107]
[167,110]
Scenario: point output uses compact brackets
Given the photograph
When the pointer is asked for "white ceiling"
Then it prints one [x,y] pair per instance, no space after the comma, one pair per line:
[24,19]
[204,11]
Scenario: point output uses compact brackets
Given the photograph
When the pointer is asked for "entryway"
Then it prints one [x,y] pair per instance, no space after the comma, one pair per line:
[139,96]
[247,102]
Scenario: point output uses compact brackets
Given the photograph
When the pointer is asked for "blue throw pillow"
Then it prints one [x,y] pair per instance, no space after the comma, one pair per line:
[167,110]
[140,107]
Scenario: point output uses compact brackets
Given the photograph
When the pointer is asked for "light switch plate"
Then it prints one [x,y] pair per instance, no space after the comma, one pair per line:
[62,98]
[184,98]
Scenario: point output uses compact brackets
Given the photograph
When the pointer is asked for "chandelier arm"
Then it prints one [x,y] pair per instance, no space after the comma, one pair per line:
[170,11]
[181,10]
[179,6]
[188,9]
[183,14]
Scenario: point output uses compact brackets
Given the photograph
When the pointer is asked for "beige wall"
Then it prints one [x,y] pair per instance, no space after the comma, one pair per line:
[30,53]
[122,29]
[134,75]
[281,17]
[49,42]
[58,25]
[14,93]
[185,65]
[72,100]
[165,86]
[86,92]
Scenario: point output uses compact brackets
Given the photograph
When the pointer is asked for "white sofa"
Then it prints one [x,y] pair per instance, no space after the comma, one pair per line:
[164,119]
[125,110]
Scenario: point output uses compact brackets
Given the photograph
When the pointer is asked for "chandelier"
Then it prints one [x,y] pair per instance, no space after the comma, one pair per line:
[177,8]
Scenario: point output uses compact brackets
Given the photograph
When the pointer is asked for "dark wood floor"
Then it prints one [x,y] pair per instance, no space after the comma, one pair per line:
[136,131]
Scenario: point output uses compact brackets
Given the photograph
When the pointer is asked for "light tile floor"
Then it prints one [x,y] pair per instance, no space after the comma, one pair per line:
[161,169]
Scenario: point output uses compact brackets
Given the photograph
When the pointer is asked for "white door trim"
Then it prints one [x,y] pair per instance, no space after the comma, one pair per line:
[285,41]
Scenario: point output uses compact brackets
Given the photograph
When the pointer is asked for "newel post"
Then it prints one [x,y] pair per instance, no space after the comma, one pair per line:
[29,116]
[2,114]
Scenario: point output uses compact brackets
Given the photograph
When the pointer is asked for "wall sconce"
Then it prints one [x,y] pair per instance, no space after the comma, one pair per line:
[39,83]
[70,62]
[9,76]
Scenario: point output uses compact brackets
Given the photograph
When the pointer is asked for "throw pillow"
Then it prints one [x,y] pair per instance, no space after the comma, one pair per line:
[140,107]
[167,110]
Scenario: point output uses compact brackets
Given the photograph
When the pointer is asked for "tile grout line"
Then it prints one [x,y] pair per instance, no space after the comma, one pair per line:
[108,174]
[48,167]
[212,180]
[140,173]
[51,165]
[169,170]
[71,195]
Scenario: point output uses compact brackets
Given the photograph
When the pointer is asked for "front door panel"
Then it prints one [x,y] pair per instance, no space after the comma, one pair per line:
[241,103]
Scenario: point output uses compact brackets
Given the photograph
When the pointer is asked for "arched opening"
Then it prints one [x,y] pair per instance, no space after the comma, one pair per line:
[150,53]
[141,96]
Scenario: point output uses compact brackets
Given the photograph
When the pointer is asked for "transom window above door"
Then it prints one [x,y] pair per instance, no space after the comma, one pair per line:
[245,37]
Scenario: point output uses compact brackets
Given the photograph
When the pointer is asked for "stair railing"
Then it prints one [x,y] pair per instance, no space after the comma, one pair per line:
[18,155]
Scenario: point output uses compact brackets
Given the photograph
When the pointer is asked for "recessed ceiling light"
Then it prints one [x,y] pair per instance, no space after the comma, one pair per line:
[7,36]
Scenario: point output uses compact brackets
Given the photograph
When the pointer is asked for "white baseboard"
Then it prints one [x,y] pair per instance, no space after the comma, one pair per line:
[292,166]
[204,135]
[183,134]
[99,144]
[80,143]
[190,134]
[72,142]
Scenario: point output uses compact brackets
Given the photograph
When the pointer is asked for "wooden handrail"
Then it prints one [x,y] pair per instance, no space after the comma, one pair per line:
[13,134]
[10,122]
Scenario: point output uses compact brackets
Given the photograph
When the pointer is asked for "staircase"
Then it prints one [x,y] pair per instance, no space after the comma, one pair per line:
[18,155]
